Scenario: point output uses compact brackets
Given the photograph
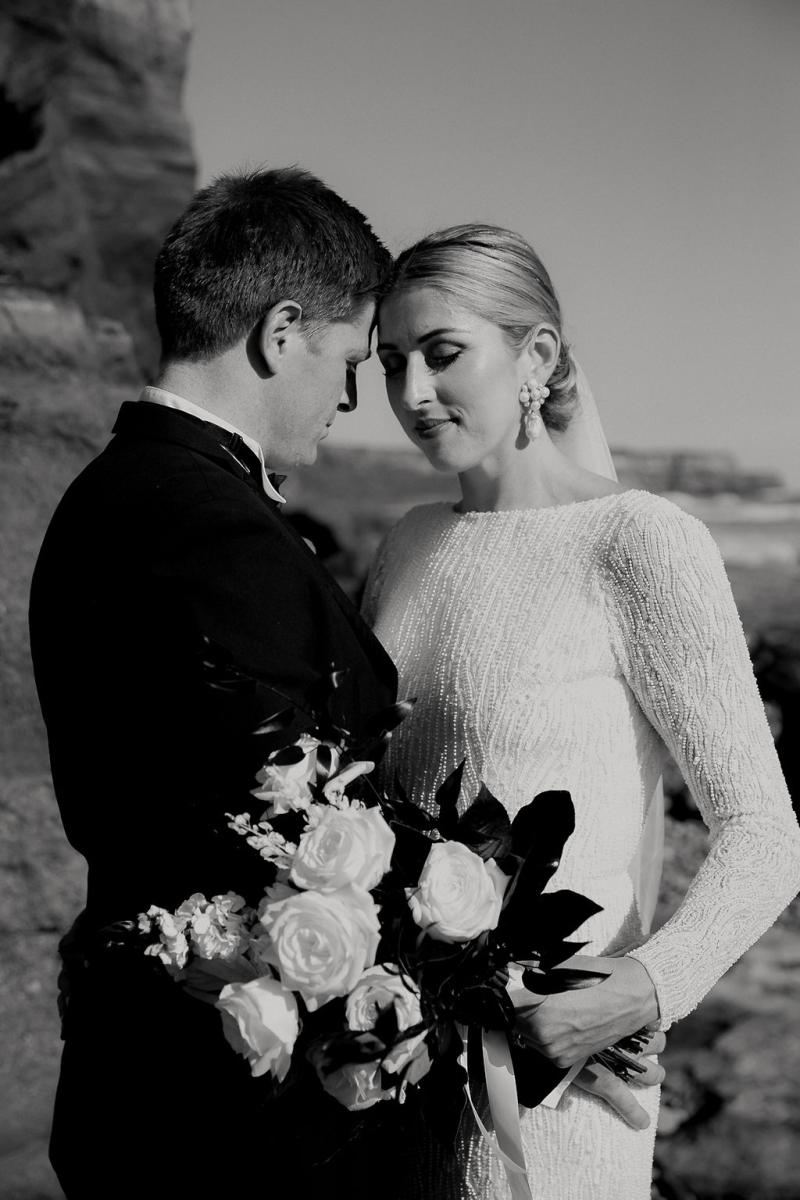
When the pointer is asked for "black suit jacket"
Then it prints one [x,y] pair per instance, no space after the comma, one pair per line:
[165,539]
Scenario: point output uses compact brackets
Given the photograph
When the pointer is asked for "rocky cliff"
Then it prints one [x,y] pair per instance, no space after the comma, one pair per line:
[95,164]
[95,153]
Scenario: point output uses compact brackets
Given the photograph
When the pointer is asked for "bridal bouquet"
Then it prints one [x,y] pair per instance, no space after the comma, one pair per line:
[382,933]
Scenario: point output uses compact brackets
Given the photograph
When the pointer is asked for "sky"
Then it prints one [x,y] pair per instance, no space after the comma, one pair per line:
[648,149]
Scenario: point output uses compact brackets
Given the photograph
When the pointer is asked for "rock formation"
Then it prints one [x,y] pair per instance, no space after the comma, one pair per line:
[95,164]
[95,153]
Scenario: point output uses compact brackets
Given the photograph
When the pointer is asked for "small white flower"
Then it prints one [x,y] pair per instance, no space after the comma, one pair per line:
[273,847]
[286,788]
[172,948]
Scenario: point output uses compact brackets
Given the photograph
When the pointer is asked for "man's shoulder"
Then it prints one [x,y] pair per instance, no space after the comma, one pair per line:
[142,478]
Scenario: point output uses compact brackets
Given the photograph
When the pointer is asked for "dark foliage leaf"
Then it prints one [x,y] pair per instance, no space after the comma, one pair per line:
[219,669]
[485,827]
[287,756]
[321,690]
[398,807]
[447,800]
[486,1005]
[560,954]
[534,925]
[388,719]
[400,791]
[536,1076]
[324,763]
[277,722]
[348,1047]
[538,833]
[548,818]
[443,1097]
[550,983]
[411,849]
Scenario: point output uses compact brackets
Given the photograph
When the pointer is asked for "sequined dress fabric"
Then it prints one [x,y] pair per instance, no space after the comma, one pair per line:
[571,647]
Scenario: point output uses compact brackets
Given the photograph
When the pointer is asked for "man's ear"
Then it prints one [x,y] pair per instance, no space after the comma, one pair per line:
[277,334]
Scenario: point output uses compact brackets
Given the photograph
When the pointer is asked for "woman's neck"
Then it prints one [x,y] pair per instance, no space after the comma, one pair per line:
[538,476]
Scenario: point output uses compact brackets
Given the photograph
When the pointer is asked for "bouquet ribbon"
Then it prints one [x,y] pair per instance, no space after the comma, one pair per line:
[501,1093]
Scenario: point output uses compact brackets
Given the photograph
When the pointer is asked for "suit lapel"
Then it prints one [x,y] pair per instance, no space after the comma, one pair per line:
[142,419]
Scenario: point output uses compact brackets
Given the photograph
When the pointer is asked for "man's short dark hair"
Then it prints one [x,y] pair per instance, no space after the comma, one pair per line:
[249,240]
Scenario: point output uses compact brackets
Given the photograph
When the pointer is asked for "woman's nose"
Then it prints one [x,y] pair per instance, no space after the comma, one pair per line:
[417,388]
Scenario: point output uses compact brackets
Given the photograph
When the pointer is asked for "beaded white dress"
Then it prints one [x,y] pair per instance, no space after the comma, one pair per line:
[567,648]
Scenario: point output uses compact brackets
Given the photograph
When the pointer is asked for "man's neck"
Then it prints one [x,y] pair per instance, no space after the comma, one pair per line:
[211,386]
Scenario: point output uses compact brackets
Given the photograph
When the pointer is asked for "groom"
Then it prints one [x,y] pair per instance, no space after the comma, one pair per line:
[265,296]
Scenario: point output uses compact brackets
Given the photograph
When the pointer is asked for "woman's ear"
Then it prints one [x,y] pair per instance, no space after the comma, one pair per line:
[542,351]
[277,333]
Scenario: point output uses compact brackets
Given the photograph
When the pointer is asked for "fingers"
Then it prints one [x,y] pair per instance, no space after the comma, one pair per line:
[652,1074]
[599,1081]
[656,1044]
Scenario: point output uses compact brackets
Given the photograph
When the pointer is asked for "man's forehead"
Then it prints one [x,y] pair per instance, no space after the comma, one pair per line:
[360,329]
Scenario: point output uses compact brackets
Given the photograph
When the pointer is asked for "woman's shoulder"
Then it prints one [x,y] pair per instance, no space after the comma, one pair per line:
[419,518]
[653,533]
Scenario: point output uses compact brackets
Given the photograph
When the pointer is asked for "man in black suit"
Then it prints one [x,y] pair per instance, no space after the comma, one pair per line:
[265,295]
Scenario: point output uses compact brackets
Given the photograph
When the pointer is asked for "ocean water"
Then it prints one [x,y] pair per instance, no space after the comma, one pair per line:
[749,533]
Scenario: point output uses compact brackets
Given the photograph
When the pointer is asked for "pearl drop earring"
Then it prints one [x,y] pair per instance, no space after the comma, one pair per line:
[532,396]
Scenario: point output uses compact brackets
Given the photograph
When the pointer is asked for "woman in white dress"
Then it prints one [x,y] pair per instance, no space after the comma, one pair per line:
[561,632]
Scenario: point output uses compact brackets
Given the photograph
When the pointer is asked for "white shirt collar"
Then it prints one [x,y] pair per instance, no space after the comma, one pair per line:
[157,395]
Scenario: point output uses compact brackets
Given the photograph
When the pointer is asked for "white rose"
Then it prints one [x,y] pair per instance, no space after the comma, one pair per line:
[286,788]
[355,1085]
[376,991]
[260,1022]
[459,895]
[344,846]
[321,944]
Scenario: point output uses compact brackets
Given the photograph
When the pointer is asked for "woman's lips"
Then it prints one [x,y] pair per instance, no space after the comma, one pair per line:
[431,426]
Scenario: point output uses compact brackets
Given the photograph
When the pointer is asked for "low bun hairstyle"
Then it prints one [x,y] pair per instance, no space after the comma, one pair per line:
[496,275]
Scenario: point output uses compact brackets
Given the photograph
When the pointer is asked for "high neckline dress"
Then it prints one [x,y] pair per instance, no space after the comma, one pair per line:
[569,648]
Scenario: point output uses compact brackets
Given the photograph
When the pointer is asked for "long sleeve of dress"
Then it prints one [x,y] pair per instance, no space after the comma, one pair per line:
[685,658]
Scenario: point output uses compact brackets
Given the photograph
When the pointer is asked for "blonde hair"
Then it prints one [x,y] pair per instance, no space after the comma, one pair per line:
[497,275]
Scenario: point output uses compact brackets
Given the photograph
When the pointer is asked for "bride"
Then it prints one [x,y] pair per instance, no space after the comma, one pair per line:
[562,632]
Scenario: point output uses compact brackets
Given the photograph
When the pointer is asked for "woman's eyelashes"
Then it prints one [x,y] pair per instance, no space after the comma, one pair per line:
[438,362]
[393,367]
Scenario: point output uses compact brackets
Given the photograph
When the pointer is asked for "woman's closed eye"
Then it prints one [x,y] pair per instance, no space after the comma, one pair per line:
[438,362]
[435,361]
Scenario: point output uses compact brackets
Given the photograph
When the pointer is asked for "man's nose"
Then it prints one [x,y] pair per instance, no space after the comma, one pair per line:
[349,400]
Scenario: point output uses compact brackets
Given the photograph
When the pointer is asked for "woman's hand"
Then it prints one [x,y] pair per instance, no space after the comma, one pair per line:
[573,1025]
[621,1096]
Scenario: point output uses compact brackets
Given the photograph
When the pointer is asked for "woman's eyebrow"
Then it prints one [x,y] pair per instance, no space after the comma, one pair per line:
[426,337]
